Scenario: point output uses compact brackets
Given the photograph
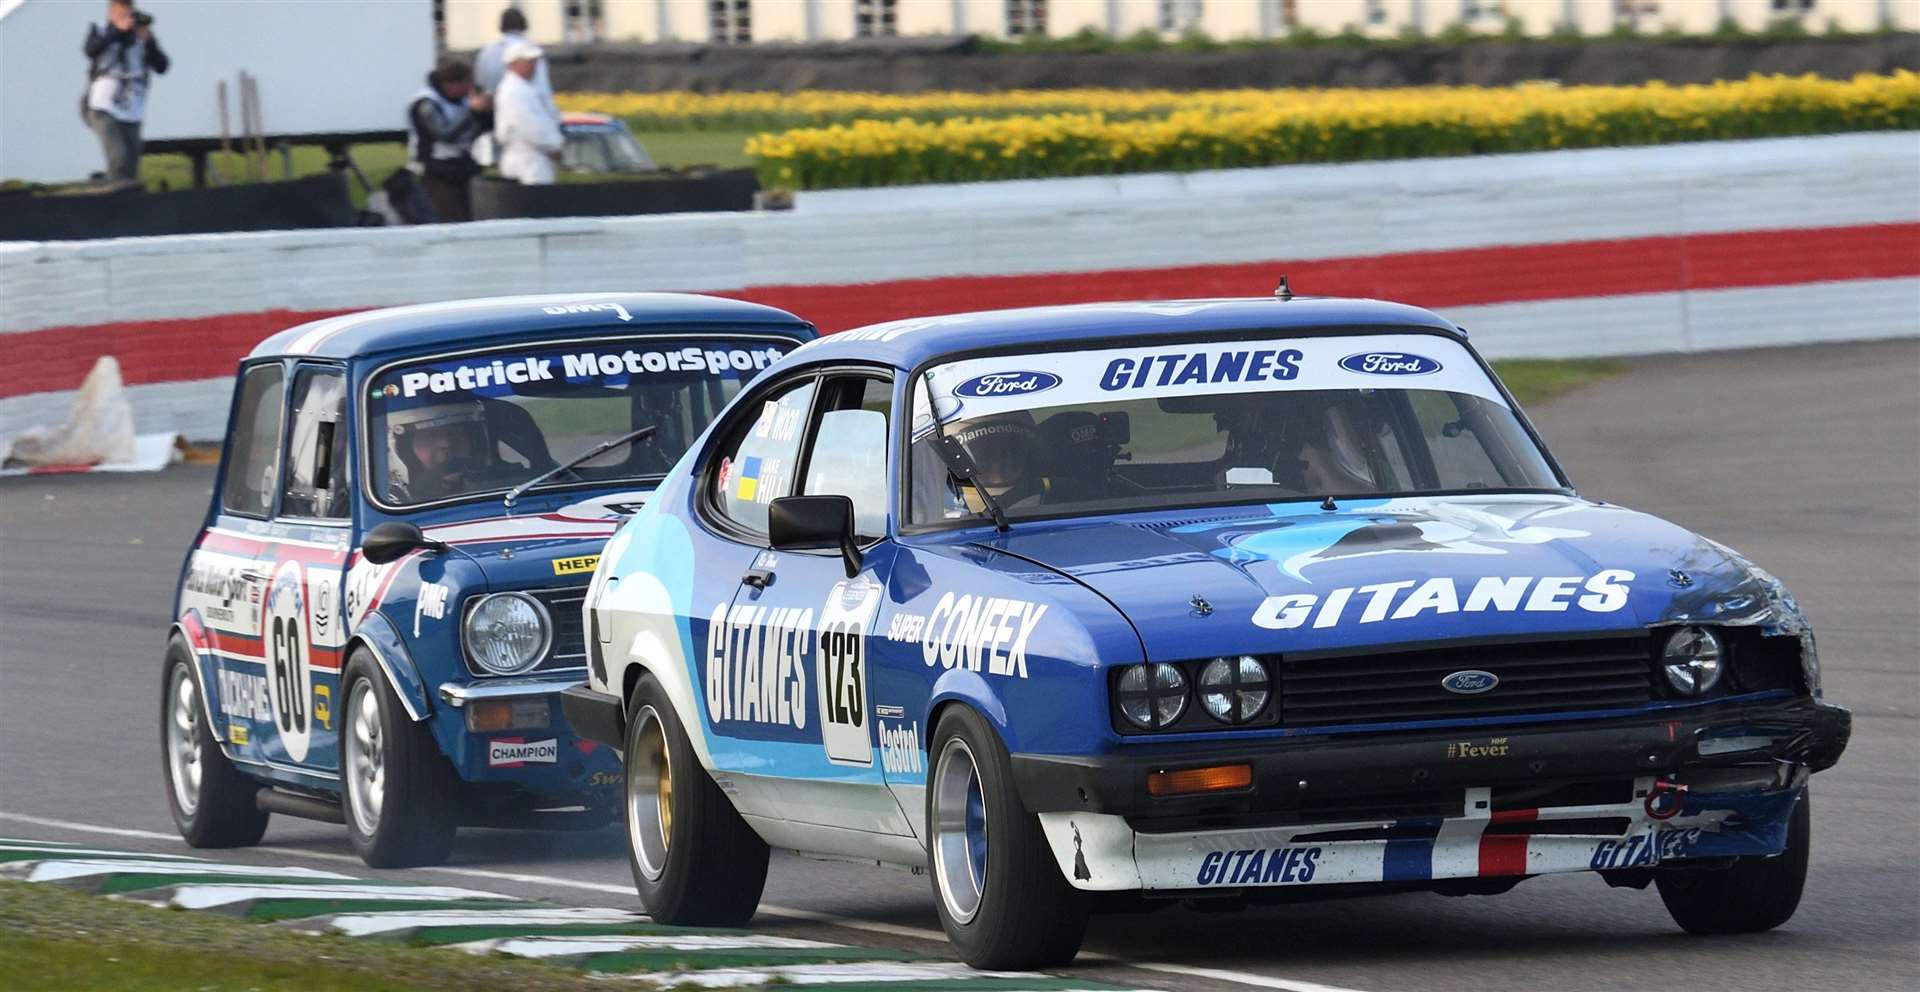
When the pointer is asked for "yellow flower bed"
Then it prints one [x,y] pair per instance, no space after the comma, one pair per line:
[682,110]
[1228,129]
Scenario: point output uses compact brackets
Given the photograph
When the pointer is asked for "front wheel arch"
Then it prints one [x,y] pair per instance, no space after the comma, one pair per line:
[378,637]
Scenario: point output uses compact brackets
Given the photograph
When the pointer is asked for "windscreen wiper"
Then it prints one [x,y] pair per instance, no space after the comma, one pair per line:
[959,460]
[513,495]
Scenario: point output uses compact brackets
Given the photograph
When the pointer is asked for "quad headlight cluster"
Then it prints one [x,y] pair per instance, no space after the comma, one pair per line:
[507,633]
[1232,691]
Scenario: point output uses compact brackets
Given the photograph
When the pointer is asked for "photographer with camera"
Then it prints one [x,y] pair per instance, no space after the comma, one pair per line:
[123,57]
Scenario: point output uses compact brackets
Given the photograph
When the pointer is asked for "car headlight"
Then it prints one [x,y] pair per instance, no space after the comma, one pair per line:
[507,633]
[1234,690]
[1692,660]
[1153,695]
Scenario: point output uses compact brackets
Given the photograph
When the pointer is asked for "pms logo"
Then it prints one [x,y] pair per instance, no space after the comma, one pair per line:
[614,308]
[1389,363]
[1007,384]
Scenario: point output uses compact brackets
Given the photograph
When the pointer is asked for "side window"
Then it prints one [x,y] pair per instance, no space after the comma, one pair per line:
[317,447]
[849,456]
[761,454]
[253,443]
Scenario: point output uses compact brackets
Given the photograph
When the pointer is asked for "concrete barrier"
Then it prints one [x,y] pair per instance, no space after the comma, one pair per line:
[1601,252]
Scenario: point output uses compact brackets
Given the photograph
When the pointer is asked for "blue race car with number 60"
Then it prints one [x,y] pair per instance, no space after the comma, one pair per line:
[1222,600]
[384,600]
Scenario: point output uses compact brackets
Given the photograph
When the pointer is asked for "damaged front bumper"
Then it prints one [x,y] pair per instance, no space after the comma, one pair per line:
[1625,792]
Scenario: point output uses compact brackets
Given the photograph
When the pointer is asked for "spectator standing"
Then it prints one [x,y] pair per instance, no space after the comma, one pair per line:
[525,129]
[442,121]
[123,56]
[490,68]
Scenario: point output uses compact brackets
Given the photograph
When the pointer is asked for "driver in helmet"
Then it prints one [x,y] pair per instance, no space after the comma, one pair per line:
[434,450]
[1006,450]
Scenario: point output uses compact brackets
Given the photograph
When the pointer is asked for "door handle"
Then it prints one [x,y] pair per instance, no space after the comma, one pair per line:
[253,576]
[758,577]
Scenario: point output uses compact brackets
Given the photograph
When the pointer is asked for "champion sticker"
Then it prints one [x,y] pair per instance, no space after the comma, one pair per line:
[514,752]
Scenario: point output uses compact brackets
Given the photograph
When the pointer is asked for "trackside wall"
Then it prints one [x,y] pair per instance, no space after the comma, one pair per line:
[1598,252]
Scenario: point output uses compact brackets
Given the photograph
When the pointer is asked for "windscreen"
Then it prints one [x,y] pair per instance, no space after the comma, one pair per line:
[1212,422]
[483,423]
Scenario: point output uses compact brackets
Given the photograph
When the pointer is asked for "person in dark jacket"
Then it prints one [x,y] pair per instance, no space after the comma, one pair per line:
[442,121]
[123,57]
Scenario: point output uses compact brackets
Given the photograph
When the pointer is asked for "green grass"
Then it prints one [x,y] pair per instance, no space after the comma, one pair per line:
[1534,380]
[53,940]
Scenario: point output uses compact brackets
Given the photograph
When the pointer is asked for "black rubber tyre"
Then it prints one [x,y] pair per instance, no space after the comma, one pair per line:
[218,810]
[399,794]
[1751,895]
[1024,914]
[695,861]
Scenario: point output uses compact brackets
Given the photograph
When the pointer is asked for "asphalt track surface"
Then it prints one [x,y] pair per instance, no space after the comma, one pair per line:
[1805,459]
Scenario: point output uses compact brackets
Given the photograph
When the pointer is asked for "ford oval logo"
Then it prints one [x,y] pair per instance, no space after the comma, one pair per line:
[1469,683]
[1389,363]
[1007,384]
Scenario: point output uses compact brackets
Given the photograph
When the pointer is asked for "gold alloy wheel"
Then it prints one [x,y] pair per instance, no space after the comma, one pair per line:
[649,795]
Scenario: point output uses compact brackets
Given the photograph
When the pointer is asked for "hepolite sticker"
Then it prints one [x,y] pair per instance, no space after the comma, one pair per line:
[1602,592]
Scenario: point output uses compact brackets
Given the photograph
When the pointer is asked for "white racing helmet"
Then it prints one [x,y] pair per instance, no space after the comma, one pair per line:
[407,477]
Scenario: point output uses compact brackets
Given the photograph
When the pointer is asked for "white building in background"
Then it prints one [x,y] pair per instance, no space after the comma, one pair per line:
[469,24]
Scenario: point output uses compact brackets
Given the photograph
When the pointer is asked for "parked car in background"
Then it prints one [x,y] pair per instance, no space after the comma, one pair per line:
[1215,600]
[373,623]
[599,143]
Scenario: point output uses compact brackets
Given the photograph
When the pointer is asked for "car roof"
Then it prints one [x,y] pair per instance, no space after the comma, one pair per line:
[911,342]
[507,319]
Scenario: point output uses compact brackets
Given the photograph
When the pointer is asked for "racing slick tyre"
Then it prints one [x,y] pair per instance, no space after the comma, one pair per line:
[1751,895]
[399,794]
[694,860]
[212,801]
[996,885]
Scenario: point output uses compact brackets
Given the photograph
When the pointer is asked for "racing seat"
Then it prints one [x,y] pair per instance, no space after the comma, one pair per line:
[1079,457]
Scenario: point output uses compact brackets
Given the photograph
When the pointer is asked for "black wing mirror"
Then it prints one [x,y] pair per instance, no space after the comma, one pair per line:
[394,538]
[814,523]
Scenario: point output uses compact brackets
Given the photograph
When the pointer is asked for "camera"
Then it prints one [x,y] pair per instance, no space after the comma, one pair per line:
[142,19]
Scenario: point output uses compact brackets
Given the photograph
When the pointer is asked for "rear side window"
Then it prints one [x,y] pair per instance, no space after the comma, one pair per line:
[849,456]
[317,447]
[253,443]
[760,456]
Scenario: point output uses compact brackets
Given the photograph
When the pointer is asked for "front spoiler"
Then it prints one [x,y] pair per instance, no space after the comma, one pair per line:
[1295,776]
[1476,846]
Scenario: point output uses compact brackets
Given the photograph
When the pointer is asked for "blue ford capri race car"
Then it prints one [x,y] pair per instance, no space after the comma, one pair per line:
[1230,600]
[385,598]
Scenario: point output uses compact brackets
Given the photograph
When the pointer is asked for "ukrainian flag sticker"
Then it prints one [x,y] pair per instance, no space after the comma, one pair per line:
[749,479]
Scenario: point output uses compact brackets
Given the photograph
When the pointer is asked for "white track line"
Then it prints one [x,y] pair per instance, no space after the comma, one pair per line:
[364,925]
[571,946]
[787,912]
[58,870]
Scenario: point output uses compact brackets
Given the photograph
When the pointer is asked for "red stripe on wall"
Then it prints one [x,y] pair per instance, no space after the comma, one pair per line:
[149,351]
[56,358]
[1506,854]
[1461,277]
